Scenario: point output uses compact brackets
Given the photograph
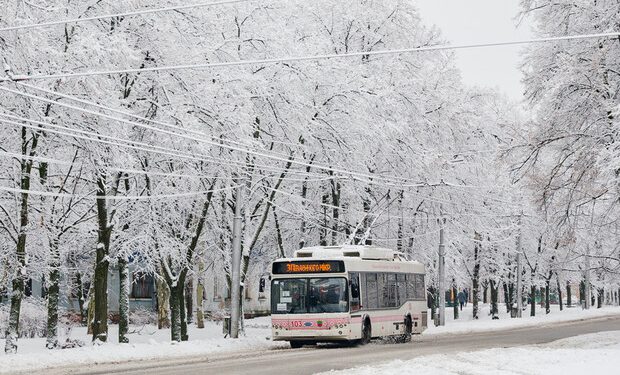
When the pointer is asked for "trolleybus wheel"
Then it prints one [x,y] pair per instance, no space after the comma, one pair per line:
[296,344]
[366,333]
[408,330]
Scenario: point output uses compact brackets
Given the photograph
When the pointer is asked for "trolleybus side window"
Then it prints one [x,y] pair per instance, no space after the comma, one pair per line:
[372,298]
[401,285]
[389,290]
[355,291]
[419,286]
[411,286]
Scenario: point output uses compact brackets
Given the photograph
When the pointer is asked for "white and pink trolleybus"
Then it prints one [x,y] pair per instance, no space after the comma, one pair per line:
[346,294]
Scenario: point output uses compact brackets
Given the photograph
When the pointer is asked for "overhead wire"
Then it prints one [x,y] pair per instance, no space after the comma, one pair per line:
[400,51]
[122,14]
[115,197]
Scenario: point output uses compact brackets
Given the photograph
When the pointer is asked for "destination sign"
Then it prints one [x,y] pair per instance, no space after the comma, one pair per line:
[330,266]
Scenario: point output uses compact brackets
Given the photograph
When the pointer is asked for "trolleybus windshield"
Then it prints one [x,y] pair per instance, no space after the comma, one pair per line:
[309,295]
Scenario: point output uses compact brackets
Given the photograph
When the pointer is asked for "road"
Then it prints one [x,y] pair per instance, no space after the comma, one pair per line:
[309,360]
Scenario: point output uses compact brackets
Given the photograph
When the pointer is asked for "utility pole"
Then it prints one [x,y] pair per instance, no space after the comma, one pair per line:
[442,270]
[587,270]
[235,295]
[519,271]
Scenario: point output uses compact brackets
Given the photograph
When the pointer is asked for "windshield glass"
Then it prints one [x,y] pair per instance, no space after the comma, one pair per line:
[312,295]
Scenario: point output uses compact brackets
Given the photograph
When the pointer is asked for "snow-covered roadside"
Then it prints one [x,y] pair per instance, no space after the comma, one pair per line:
[597,353]
[149,343]
[465,323]
[146,343]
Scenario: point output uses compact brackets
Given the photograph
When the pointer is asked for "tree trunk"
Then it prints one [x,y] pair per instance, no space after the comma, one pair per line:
[123,300]
[53,296]
[91,309]
[175,312]
[560,293]
[456,303]
[569,297]
[533,300]
[12,330]
[163,303]
[494,298]
[80,297]
[485,292]
[547,300]
[476,280]
[335,209]
[189,301]
[100,281]
[507,299]
[182,312]
[601,293]
[200,320]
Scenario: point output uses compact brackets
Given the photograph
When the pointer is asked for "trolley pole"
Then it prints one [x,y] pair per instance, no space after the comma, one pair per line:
[235,295]
[519,271]
[442,271]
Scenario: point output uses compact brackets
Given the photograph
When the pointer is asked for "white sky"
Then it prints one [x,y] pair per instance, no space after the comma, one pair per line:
[480,21]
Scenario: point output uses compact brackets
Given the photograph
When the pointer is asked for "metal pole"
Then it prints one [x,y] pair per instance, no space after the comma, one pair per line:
[442,272]
[587,270]
[519,272]
[235,295]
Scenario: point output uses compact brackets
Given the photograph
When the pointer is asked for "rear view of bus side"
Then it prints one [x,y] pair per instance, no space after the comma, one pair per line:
[346,294]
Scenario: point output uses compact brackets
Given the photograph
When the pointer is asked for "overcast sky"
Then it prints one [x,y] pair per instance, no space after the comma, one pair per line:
[480,21]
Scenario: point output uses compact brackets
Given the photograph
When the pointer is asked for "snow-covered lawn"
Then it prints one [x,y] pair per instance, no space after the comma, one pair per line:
[146,343]
[465,323]
[597,353]
[149,343]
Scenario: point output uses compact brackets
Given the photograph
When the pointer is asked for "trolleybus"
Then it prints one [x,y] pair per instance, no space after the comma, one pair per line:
[346,293]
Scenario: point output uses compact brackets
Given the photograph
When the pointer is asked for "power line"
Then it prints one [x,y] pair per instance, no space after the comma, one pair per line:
[129,114]
[114,197]
[123,14]
[392,181]
[308,58]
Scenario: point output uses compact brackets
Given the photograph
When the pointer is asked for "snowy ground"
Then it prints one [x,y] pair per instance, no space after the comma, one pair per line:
[147,342]
[597,353]
[465,323]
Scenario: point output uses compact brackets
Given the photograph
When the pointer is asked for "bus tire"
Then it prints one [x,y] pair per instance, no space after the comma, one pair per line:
[366,332]
[408,329]
[296,344]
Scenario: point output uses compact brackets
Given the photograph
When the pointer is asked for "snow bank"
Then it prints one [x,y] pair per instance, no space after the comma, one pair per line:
[146,342]
[597,353]
[465,323]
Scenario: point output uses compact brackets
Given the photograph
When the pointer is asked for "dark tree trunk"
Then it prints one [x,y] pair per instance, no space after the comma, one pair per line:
[79,286]
[485,288]
[279,240]
[100,281]
[533,300]
[53,292]
[12,328]
[569,297]
[189,301]
[182,310]
[455,308]
[507,299]
[601,295]
[123,300]
[476,278]
[560,293]
[175,313]
[335,209]
[547,301]
[494,299]
[323,230]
